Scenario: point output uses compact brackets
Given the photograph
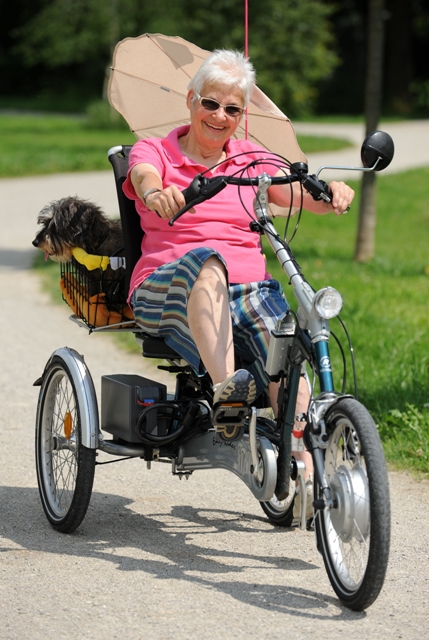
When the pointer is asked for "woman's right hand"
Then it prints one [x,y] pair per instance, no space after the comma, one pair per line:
[166,202]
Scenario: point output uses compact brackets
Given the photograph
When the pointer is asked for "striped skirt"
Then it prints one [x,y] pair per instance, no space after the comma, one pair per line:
[160,308]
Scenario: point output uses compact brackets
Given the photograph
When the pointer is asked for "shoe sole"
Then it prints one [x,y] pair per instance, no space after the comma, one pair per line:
[241,388]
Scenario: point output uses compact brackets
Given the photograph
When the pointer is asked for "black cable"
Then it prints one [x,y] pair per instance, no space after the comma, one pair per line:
[352,357]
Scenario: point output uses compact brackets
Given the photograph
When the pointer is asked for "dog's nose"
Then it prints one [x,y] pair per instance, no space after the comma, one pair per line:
[35,243]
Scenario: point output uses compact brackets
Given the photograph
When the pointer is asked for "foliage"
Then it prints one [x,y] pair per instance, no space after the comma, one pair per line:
[420,91]
[66,32]
[405,437]
[63,32]
[288,69]
[102,116]
[310,54]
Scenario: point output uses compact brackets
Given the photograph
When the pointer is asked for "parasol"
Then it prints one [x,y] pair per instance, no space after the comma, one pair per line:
[148,86]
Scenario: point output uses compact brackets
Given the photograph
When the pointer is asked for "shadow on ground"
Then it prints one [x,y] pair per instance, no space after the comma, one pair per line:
[177,543]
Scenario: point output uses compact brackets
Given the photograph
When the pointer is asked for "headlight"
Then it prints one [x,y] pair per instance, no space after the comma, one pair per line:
[328,303]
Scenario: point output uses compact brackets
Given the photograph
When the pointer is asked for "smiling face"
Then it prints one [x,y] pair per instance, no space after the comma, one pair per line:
[211,129]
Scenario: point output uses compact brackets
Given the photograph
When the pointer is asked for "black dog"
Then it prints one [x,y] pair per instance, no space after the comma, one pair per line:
[71,222]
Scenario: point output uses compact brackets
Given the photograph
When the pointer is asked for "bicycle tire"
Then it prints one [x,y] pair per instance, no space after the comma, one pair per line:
[280,512]
[354,537]
[65,468]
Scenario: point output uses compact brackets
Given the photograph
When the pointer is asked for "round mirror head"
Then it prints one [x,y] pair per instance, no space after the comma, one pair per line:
[377,145]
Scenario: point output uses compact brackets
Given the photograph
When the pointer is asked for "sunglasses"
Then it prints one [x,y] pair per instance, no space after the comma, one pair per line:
[209,104]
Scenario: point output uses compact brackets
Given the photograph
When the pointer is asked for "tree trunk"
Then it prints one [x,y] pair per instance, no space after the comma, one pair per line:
[365,240]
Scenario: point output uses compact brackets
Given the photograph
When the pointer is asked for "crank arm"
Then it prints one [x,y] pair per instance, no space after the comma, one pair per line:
[254,446]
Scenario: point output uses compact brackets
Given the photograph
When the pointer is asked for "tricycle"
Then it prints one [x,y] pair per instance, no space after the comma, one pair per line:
[351,508]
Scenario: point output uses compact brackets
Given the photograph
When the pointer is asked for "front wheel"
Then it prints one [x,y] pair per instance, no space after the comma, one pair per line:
[354,536]
[65,467]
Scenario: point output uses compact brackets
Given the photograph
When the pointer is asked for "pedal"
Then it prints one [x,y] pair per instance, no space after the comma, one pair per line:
[229,418]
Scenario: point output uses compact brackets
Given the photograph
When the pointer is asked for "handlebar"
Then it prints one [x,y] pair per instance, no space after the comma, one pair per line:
[202,188]
[377,152]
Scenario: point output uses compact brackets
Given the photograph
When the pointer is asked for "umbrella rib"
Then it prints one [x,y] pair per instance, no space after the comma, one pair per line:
[155,84]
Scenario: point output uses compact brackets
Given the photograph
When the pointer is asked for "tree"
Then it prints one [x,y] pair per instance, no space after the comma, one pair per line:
[365,241]
[72,34]
[290,41]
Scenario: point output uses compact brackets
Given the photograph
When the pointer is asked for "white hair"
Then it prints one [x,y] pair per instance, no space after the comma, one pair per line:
[228,68]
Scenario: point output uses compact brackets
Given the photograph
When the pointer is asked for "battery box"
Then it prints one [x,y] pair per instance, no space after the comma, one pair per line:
[123,398]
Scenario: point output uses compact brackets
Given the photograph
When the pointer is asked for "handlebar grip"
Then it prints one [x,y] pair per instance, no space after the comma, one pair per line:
[317,188]
[327,191]
[200,190]
[193,191]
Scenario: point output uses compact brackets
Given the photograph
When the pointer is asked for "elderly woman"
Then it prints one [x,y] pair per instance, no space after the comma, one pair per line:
[202,284]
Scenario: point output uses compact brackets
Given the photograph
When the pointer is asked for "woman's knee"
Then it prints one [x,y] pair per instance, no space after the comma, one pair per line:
[213,271]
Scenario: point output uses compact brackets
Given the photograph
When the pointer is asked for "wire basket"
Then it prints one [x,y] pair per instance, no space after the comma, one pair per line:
[97,297]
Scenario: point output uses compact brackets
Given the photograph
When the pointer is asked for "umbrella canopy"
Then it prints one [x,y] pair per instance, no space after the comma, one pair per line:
[148,86]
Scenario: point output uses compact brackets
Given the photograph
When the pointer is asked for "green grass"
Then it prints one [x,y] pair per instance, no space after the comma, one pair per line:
[315,144]
[41,144]
[33,145]
[385,307]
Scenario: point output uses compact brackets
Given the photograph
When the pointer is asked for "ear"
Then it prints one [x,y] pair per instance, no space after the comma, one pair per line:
[189,97]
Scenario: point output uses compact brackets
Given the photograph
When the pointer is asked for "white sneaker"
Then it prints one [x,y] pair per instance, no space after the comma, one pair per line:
[238,387]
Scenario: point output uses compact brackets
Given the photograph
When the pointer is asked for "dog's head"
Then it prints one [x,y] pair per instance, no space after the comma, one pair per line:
[69,223]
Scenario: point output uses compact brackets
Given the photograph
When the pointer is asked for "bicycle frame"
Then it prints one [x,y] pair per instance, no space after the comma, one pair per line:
[303,348]
[307,316]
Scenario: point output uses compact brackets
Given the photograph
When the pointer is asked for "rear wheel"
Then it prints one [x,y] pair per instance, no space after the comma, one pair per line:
[354,537]
[65,468]
[280,512]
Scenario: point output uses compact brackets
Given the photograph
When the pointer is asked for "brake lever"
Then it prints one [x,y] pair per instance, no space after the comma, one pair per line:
[186,208]
[318,189]
[199,190]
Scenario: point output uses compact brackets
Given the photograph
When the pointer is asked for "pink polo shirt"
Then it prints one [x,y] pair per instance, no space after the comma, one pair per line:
[220,223]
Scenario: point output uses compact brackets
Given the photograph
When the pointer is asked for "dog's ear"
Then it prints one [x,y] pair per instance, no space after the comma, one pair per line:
[46,214]
[67,218]
[90,227]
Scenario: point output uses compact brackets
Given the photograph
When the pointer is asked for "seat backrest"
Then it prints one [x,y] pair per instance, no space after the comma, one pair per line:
[133,233]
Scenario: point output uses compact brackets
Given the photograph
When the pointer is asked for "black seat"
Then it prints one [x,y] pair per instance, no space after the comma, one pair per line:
[133,235]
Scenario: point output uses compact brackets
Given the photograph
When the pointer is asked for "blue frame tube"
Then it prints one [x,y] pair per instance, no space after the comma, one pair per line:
[324,366]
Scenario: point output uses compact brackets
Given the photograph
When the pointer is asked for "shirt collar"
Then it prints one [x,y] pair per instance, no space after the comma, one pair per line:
[172,149]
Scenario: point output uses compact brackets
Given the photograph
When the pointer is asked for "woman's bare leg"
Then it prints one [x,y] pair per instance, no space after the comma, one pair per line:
[301,407]
[209,320]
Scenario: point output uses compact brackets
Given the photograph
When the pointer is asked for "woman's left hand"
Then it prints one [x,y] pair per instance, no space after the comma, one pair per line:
[342,197]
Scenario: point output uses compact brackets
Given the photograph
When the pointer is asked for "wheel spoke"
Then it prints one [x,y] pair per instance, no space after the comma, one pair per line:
[65,468]
[353,536]
[60,464]
[349,552]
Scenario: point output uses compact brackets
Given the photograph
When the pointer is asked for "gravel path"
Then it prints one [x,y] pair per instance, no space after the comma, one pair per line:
[157,557]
